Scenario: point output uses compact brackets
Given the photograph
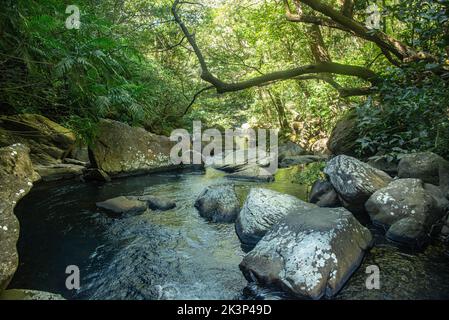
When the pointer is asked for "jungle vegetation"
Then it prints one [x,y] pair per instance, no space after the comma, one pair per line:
[297,65]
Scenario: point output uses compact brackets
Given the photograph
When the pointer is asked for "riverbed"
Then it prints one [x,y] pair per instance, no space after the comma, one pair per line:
[176,254]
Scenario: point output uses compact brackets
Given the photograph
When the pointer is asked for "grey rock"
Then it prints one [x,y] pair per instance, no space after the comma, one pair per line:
[121,150]
[309,255]
[49,143]
[383,164]
[218,203]
[253,173]
[75,162]
[408,208]
[61,171]
[290,149]
[426,166]
[264,208]
[343,139]
[123,205]
[323,194]
[157,203]
[354,180]
[16,179]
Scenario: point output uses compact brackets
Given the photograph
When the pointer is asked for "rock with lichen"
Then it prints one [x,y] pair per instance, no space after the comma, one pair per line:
[122,150]
[354,180]
[408,208]
[218,203]
[262,209]
[309,255]
[16,179]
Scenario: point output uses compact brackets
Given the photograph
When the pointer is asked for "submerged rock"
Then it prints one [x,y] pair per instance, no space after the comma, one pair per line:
[121,150]
[323,195]
[49,142]
[354,180]
[157,203]
[263,208]
[408,208]
[309,255]
[16,179]
[123,205]
[218,203]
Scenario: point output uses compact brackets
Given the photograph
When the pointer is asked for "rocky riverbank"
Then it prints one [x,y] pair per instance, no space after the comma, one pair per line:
[306,249]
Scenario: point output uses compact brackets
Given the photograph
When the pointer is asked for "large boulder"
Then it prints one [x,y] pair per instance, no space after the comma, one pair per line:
[343,139]
[48,141]
[218,203]
[264,208]
[16,179]
[427,166]
[408,208]
[354,180]
[309,255]
[121,150]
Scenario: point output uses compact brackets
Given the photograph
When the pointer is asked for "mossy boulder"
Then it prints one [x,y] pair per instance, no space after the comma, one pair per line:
[48,141]
[122,150]
[343,139]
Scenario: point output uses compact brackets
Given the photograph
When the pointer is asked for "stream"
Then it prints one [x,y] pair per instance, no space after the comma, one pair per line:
[176,254]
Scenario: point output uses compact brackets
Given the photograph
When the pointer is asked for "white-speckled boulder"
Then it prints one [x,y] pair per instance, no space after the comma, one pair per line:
[262,209]
[16,179]
[408,208]
[218,203]
[309,255]
[121,150]
[354,180]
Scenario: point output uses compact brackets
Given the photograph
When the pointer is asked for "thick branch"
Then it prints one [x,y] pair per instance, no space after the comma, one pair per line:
[319,68]
[381,39]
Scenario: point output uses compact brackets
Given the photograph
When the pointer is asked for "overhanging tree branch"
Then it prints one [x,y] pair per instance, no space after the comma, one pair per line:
[319,68]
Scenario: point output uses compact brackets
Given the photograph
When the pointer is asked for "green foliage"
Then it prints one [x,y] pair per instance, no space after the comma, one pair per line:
[410,114]
[78,76]
[310,173]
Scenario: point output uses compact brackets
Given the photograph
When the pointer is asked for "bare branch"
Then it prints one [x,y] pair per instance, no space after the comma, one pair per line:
[195,97]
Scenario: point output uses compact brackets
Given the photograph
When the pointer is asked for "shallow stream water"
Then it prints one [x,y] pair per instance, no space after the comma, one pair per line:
[177,254]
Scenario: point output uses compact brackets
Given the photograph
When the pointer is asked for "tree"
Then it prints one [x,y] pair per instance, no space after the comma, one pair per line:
[322,15]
